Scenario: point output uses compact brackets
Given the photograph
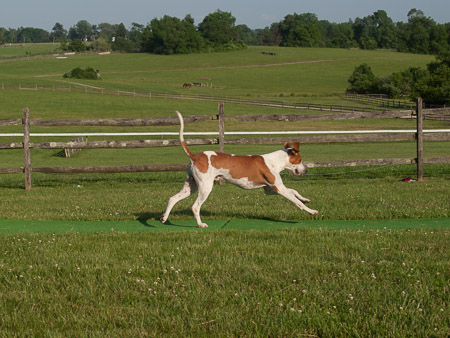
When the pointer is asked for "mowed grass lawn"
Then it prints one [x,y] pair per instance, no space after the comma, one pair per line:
[298,282]
[285,283]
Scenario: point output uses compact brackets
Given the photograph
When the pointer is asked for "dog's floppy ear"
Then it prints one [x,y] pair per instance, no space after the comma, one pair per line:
[295,146]
[286,145]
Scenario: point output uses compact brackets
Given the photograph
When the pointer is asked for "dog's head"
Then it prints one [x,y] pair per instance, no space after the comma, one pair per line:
[295,165]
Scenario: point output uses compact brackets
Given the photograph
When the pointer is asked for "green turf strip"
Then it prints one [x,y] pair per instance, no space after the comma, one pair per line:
[20,226]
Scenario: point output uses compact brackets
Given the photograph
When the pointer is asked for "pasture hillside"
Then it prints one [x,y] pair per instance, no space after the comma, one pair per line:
[300,72]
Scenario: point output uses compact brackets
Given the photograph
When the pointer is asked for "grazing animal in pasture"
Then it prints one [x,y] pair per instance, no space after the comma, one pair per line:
[187,85]
[248,172]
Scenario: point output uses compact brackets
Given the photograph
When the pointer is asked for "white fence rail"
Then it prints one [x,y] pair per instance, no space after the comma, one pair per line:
[214,133]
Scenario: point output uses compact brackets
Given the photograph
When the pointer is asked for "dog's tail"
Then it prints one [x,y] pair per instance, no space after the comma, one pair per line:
[183,144]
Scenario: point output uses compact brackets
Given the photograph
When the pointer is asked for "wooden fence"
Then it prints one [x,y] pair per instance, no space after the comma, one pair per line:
[27,123]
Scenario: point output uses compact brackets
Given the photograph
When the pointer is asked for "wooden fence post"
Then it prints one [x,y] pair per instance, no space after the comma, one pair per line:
[26,148]
[221,127]
[419,137]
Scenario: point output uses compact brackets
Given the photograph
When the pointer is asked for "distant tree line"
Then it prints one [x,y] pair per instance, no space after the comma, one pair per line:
[432,83]
[218,31]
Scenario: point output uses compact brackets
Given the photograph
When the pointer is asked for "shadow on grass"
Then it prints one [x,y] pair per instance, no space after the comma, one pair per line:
[143,218]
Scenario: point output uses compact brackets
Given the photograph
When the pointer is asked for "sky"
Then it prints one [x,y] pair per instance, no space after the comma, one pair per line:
[254,13]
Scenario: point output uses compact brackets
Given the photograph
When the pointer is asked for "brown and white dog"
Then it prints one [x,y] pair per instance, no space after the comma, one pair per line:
[248,172]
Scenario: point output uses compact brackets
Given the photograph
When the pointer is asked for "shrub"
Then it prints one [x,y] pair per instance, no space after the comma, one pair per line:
[77,73]
[77,46]
[362,81]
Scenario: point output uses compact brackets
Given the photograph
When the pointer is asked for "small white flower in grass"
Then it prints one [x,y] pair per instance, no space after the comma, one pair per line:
[401,308]
[373,276]
[292,309]
[281,304]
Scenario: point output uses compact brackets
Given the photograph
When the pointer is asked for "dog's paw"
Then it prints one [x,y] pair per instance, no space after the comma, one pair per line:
[203,225]
[313,212]
[305,200]
[163,219]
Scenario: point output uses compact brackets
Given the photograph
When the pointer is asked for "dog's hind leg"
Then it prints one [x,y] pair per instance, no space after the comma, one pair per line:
[204,190]
[189,187]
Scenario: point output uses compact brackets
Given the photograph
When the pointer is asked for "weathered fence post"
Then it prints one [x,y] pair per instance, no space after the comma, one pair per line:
[419,137]
[221,127]
[26,148]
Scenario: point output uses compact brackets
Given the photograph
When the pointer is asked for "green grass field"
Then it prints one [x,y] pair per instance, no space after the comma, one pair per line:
[85,255]
[293,283]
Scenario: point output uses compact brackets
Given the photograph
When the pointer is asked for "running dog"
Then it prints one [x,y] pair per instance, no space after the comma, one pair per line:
[248,172]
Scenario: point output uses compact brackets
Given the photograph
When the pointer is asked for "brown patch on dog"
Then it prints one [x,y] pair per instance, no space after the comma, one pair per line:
[253,167]
[201,162]
[294,155]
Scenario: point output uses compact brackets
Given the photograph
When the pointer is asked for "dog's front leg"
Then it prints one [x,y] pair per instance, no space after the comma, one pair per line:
[295,198]
[300,197]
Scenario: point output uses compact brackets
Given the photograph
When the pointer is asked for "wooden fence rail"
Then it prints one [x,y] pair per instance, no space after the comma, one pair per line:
[376,137]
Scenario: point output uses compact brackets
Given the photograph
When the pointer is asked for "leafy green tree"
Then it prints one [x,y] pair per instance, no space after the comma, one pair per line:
[269,36]
[122,44]
[58,32]
[339,35]
[84,30]
[375,31]
[171,35]
[106,31]
[30,34]
[362,81]
[219,28]
[101,45]
[135,33]
[300,30]
[121,31]
[246,35]
[435,88]
[417,32]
